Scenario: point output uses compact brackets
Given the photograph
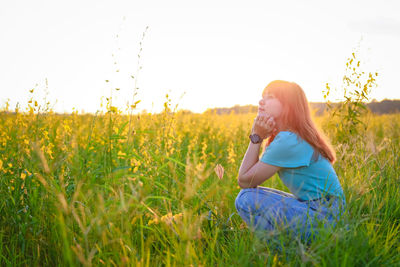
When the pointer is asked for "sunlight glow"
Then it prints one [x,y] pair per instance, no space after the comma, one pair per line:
[212,54]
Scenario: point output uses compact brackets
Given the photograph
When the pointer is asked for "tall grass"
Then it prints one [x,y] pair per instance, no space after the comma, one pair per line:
[75,192]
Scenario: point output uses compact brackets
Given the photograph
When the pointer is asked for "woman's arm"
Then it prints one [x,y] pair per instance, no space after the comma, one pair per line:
[250,158]
[253,172]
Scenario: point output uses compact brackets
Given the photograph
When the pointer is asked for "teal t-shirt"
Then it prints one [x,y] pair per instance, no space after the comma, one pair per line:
[307,177]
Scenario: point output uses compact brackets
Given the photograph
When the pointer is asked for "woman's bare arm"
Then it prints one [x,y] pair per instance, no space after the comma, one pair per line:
[252,171]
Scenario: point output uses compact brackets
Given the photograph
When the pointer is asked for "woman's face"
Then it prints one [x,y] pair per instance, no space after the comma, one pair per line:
[269,105]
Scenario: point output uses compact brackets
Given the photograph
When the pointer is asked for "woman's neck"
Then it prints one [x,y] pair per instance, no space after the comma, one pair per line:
[282,128]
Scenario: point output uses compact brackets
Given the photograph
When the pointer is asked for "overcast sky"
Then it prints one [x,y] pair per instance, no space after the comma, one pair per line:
[216,53]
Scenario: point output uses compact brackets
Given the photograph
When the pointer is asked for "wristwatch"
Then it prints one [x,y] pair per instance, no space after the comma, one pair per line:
[255,138]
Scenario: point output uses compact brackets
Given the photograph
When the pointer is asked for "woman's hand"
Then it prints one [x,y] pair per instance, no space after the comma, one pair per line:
[263,126]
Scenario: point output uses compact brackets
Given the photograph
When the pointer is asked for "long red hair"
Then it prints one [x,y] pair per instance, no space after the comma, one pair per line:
[296,116]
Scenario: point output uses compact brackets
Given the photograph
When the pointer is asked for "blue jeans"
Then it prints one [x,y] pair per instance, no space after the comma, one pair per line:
[268,209]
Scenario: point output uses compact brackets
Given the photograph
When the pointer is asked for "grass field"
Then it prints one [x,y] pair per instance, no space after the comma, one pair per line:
[115,190]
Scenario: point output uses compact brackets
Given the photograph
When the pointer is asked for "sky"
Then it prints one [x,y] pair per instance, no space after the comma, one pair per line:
[203,54]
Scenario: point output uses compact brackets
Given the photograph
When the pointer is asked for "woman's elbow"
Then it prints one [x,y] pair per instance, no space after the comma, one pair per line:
[243,184]
[240,180]
[240,184]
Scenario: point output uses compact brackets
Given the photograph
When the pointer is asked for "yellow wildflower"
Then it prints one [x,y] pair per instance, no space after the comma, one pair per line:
[231,154]
[135,162]
[154,221]
[121,154]
[178,217]
[167,218]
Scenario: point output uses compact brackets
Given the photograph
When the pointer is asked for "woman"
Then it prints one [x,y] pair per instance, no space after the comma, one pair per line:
[303,159]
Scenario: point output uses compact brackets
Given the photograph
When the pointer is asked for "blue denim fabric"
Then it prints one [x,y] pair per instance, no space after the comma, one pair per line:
[269,209]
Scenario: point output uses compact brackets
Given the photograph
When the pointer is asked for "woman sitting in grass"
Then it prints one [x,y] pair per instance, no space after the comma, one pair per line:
[303,159]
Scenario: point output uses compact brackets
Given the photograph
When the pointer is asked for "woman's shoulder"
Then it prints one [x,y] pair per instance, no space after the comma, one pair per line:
[288,149]
[291,141]
[288,137]
[286,133]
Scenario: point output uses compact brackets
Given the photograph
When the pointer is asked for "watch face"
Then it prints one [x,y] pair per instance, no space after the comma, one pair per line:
[255,139]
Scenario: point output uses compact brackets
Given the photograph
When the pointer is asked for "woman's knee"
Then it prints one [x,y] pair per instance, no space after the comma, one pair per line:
[253,206]
[239,199]
[244,199]
[252,199]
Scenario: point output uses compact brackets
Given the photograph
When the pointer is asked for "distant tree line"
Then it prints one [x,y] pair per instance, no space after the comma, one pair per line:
[382,107]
